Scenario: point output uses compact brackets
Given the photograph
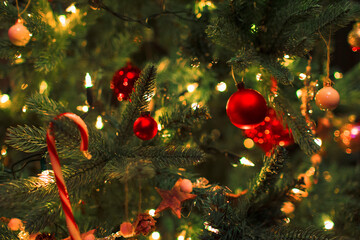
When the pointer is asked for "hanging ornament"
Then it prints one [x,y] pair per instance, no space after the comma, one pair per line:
[15,224]
[173,199]
[354,37]
[186,185]
[270,133]
[144,224]
[327,98]
[145,127]
[349,137]
[18,34]
[127,229]
[246,108]
[124,80]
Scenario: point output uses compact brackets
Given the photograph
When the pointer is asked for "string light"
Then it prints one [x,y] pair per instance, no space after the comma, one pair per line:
[318,141]
[338,75]
[246,162]
[71,8]
[191,87]
[88,82]
[99,123]
[302,76]
[221,87]
[4,98]
[299,93]
[328,224]
[3,151]
[45,178]
[62,20]
[195,106]
[24,108]
[43,87]
[159,127]
[258,77]
[152,212]
[155,235]
[84,108]
[210,228]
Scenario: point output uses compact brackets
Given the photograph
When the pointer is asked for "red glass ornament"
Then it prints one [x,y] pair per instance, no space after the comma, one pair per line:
[124,80]
[246,108]
[145,127]
[270,133]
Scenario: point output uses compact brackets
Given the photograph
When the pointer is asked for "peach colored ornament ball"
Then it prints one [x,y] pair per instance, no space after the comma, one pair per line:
[19,35]
[126,229]
[327,98]
[186,186]
[15,224]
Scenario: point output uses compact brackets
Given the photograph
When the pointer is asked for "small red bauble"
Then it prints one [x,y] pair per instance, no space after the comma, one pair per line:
[124,80]
[327,98]
[246,108]
[18,34]
[127,229]
[145,127]
[186,186]
[270,133]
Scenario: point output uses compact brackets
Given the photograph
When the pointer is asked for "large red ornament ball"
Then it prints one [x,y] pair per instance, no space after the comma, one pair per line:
[145,127]
[270,133]
[246,108]
[327,98]
[124,80]
[18,34]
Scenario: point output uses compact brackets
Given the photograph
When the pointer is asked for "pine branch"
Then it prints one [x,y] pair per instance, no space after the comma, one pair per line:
[183,116]
[164,157]
[269,174]
[282,233]
[296,122]
[26,138]
[45,106]
[144,88]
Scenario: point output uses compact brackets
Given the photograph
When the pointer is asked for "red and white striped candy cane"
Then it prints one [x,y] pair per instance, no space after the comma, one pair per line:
[54,158]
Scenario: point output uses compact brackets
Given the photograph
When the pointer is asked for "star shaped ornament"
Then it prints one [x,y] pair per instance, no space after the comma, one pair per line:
[173,199]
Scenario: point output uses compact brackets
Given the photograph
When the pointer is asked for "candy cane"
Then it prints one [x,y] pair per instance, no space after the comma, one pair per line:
[54,158]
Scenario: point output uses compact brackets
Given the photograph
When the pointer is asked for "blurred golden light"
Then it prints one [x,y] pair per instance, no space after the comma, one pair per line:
[155,235]
[328,224]
[302,76]
[62,20]
[299,93]
[258,77]
[24,108]
[88,82]
[249,143]
[71,8]
[318,141]
[43,87]
[338,75]
[4,98]
[99,123]
[152,212]
[221,87]
[192,87]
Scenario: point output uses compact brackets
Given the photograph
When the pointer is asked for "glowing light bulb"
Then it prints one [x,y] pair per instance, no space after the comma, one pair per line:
[152,212]
[4,98]
[99,123]
[181,238]
[318,141]
[88,82]
[296,190]
[45,178]
[286,56]
[24,108]
[43,87]
[246,162]
[338,75]
[155,235]
[195,106]
[302,76]
[159,127]
[62,20]
[221,87]
[328,224]
[258,77]
[3,151]
[71,8]
[192,87]
[299,93]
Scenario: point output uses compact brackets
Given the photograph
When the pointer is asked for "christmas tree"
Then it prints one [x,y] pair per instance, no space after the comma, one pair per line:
[195,119]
